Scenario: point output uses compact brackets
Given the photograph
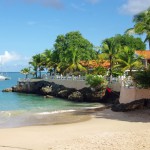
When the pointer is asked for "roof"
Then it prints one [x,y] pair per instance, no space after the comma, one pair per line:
[95,64]
[143,53]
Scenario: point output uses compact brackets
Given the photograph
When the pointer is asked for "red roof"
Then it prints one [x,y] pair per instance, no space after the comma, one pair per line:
[95,64]
[143,53]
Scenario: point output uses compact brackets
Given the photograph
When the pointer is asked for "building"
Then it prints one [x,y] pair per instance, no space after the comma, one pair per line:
[145,54]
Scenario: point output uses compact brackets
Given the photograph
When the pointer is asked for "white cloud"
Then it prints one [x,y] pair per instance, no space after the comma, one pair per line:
[135,6]
[9,57]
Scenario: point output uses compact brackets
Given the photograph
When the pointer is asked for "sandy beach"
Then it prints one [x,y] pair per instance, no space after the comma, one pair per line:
[106,130]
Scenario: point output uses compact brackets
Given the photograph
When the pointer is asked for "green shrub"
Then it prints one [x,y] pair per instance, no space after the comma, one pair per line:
[96,81]
[142,78]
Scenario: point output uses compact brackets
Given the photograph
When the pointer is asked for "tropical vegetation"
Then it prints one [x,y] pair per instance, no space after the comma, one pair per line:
[142,78]
[126,60]
[142,25]
[97,82]
[26,72]
[73,54]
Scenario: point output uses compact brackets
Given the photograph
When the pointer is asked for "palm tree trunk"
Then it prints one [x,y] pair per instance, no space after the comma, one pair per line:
[110,70]
[130,72]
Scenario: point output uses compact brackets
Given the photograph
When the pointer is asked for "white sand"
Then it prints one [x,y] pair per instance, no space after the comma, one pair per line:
[106,131]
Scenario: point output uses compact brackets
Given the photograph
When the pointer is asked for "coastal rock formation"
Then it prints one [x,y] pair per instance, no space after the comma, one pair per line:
[48,89]
[48,96]
[7,90]
[138,104]
[76,96]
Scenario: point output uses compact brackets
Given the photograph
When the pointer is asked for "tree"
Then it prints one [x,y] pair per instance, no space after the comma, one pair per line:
[70,49]
[142,25]
[126,60]
[47,59]
[130,41]
[26,72]
[110,48]
[72,63]
[37,63]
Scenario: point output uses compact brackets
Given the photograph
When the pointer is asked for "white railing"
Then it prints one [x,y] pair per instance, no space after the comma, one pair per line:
[60,77]
[57,77]
[128,82]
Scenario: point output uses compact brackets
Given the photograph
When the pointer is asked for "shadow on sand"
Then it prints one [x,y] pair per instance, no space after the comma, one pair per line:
[130,116]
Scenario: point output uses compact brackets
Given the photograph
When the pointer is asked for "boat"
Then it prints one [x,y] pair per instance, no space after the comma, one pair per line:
[2,77]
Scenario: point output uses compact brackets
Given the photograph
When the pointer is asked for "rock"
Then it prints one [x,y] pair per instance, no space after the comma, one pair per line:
[50,88]
[46,90]
[138,104]
[66,92]
[56,89]
[48,96]
[147,103]
[87,94]
[63,93]
[92,96]
[7,90]
[76,96]
[111,97]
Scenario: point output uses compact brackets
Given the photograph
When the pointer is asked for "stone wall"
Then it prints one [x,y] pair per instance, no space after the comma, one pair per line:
[77,84]
[128,95]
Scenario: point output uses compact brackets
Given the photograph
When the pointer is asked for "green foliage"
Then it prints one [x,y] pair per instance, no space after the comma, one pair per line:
[100,71]
[117,72]
[96,81]
[110,47]
[126,60]
[25,71]
[142,78]
[130,41]
[38,62]
[70,49]
[142,25]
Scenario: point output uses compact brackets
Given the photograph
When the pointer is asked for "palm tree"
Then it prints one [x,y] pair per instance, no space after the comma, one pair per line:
[47,59]
[142,25]
[71,62]
[126,60]
[37,63]
[110,48]
[26,72]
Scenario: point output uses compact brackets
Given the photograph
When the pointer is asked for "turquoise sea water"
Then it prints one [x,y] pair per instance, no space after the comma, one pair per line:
[17,109]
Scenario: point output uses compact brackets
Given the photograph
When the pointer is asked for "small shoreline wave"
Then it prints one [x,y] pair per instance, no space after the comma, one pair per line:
[12,119]
[56,112]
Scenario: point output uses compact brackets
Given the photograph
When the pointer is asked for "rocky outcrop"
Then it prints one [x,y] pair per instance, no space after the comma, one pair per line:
[48,96]
[49,89]
[76,96]
[138,104]
[7,90]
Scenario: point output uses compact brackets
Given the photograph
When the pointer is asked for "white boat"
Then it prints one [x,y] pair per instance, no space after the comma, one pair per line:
[4,78]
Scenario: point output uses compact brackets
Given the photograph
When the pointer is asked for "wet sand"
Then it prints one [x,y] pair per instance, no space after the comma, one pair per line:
[106,130]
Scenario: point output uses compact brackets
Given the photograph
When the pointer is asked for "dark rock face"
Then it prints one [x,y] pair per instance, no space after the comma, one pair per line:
[48,96]
[65,92]
[111,97]
[7,90]
[48,89]
[138,104]
[76,96]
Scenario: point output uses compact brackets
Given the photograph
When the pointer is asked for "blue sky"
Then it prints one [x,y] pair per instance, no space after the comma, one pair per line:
[28,27]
